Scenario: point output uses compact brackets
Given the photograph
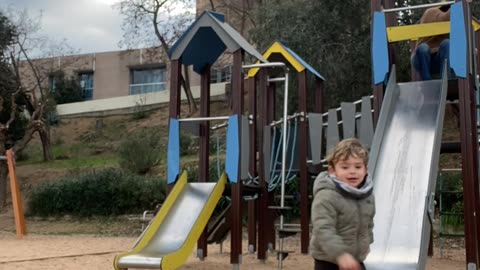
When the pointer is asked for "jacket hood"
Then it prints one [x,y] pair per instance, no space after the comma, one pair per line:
[327,181]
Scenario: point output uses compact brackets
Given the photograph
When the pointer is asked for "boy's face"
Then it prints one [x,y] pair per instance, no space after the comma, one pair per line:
[351,171]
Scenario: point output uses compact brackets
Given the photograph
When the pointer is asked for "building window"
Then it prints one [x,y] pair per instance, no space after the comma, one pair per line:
[52,83]
[218,75]
[86,83]
[143,80]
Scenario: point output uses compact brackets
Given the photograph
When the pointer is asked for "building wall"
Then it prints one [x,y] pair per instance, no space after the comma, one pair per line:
[111,70]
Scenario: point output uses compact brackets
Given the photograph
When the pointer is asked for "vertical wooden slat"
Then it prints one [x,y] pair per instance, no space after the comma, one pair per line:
[237,94]
[204,133]
[302,161]
[319,108]
[348,119]
[315,127]
[332,130]
[366,122]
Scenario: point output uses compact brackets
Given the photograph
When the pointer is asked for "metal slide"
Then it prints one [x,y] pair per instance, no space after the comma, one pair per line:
[404,165]
[173,233]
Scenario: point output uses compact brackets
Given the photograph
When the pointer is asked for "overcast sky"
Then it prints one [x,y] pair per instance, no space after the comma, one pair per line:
[88,25]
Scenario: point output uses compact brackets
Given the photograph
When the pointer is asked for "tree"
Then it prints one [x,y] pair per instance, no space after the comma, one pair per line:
[333,36]
[11,128]
[24,107]
[167,18]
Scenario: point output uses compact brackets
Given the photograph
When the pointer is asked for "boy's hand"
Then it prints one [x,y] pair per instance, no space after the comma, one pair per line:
[347,262]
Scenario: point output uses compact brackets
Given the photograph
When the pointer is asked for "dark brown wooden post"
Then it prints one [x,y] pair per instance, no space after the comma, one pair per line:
[263,200]
[174,109]
[237,94]
[203,147]
[252,167]
[391,21]
[271,103]
[302,161]
[469,149]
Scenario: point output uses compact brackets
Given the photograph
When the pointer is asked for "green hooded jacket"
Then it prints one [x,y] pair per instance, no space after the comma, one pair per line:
[342,219]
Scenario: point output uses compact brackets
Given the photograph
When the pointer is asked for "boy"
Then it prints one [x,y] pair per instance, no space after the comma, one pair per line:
[342,210]
[430,52]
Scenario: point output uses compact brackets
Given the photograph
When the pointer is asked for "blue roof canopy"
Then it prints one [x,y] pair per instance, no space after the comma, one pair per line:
[206,39]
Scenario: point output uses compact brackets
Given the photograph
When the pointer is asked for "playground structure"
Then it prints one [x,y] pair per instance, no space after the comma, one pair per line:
[410,252]
[409,125]
[20,226]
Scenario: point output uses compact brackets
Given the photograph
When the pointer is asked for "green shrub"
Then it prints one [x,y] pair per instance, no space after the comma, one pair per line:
[102,193]
[141,151]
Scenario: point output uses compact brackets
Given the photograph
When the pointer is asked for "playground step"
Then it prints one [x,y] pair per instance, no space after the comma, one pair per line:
[283,254]
[281,209]
[287,232]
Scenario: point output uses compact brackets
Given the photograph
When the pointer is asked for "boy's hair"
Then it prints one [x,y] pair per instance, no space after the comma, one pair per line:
[345,149]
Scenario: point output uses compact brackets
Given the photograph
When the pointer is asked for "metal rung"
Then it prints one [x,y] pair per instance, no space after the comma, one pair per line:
[197,119]
[3,158]
[281,79]
[419,7]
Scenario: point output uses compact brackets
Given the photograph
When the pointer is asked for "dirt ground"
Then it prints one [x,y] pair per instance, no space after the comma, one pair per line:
[42,252]
[60,245]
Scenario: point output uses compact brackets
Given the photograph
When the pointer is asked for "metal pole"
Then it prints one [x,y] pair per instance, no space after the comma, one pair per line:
[419,6]
[3,158]
[196,119]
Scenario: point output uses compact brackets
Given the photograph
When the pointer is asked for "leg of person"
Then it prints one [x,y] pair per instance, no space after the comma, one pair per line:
[323,265]
[422,61]
[443,54]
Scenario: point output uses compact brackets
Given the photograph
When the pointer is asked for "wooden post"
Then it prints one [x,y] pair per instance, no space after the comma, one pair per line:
[204,142]
[263,200]
[20,226]
[270,115]
[252,205]
[302,161]
[236,229]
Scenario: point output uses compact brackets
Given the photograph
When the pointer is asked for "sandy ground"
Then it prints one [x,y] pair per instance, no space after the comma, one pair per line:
[42,252]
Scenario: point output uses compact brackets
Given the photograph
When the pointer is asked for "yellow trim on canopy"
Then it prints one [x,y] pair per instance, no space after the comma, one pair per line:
[416,31]
[278,48]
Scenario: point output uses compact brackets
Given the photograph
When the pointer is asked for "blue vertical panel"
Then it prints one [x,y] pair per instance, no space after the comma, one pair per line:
[173,151]
[379,48]
[458,40]
[232,161]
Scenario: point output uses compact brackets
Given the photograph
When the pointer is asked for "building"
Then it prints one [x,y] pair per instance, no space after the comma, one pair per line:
[126,73]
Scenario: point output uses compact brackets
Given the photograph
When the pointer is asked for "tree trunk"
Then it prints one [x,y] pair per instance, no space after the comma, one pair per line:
[46,145]
[192,107]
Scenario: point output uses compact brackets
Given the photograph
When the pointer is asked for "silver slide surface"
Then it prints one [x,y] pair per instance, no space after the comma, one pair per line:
[404,165]
[167,242]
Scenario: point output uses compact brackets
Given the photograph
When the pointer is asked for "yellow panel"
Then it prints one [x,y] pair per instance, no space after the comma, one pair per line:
[278,48]
[176,260]
[476,25]
[416,31]
[158,220]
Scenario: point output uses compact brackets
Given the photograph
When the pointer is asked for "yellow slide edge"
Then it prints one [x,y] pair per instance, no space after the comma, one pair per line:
[177,259]
[158,220]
